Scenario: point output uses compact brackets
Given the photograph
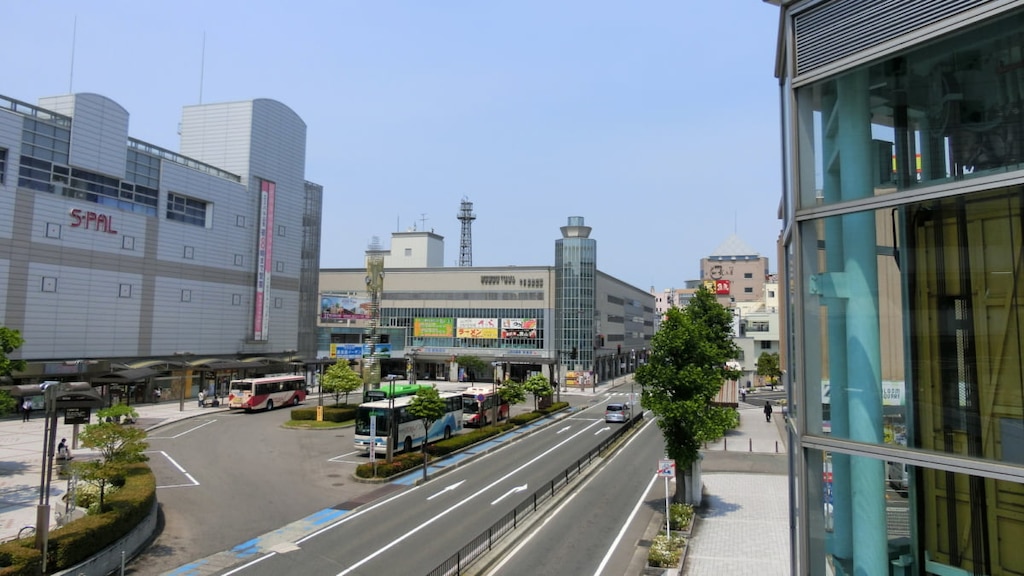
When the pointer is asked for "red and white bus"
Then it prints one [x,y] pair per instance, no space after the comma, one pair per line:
[265,393]
[478,406]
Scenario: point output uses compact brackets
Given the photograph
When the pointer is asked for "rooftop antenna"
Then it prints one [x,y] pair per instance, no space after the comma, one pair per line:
[423,220]
[466,216]
[74,36]
[202,68]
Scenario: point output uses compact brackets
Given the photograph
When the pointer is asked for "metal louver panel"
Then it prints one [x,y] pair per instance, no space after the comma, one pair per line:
[835,30]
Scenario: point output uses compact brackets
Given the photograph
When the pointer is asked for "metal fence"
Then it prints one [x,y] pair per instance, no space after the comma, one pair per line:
[486,540]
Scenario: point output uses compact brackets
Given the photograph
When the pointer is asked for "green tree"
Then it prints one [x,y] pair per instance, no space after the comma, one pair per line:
[10,340]
[428,405]
[117,444]
[768,367]
[473,365]
[538,385]
[512,392]
[686,370]
[340,379]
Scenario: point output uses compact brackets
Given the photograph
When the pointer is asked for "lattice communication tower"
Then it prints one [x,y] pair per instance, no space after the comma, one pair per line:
[466,216]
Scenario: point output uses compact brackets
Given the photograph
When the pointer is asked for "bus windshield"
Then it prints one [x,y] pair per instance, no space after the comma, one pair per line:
[363,416]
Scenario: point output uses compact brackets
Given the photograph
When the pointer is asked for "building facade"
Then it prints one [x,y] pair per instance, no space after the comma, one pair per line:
[119,255]
[903,207]
[520,320]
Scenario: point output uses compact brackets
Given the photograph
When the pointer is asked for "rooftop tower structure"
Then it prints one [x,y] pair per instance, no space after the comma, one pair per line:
[466,216]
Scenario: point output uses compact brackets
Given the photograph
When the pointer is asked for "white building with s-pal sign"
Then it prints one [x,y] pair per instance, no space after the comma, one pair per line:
[118,254]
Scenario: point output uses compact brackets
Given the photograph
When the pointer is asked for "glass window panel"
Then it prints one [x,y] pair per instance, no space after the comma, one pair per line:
[942,111]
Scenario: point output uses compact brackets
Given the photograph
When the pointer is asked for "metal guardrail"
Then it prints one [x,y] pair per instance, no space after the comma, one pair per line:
[485,541]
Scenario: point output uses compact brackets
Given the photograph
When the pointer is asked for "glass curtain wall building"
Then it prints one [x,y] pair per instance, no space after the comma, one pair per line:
[903,213]
[575,282]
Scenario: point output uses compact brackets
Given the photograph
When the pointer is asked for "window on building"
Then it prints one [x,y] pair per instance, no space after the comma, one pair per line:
[748,290]
[3,164]
[184,209]
[766,344]
[748,274]
[408,252]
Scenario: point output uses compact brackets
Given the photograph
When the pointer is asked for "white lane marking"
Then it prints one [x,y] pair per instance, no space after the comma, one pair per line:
[401,538]
[606,428]
[244,566]
[563,429]
[448,489]
[509,493]
[337,458]
[180,469]
[193,429]
[511,554]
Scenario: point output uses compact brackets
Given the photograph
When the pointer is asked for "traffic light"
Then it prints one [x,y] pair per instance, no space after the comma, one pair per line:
[574,353]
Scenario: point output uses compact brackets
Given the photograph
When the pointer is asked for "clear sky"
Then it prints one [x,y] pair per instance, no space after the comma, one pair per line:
[657,121]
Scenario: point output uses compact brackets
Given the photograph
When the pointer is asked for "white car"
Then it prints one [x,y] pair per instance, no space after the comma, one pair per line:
[617,412]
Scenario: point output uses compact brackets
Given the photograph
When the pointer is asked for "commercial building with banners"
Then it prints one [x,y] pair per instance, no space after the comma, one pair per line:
[570,322]
[128,264]
[903,208]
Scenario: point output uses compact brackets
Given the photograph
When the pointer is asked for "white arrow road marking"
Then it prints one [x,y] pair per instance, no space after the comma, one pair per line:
[563,429]
[596,432]
[509,493]
[448,489]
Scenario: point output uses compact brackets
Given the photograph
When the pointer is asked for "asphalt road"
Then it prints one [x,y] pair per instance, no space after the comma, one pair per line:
[416,529]
[231,476]
[227,478]
[596,530]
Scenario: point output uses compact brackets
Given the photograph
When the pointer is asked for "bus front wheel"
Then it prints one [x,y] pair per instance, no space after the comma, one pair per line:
[295,400]
[270,405]
[408,444]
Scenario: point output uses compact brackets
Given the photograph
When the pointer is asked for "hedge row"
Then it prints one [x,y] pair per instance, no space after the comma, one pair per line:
[78,541]
[337,413]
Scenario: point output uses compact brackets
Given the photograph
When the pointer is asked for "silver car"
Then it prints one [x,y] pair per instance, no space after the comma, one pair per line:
[617,413]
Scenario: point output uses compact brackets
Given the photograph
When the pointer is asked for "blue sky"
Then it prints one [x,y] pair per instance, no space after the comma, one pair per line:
[657,121]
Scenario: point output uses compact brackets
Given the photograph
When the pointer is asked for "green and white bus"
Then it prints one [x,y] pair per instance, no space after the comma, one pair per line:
[374,421]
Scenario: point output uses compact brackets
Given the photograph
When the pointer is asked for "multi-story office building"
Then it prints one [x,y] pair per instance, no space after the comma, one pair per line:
[903,216]
[520,320]
[121,260]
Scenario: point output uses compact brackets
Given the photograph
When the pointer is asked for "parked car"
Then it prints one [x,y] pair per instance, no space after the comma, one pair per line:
[898,477]
[617,412]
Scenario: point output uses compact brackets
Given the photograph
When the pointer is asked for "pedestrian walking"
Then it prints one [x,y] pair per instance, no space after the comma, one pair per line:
[743,394]
[63,453]
[202,398]
[767,411]
[26,410]
[157,392]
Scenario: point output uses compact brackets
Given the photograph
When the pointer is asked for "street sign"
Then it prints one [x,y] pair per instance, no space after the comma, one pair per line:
[666,468]
[76,416]
[480,397]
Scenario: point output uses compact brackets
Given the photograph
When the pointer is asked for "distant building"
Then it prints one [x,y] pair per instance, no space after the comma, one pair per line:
[735,272]
[520,320]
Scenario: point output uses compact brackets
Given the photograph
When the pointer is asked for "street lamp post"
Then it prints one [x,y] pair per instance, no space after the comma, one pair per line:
[494,391]
[392,421]
[632,356]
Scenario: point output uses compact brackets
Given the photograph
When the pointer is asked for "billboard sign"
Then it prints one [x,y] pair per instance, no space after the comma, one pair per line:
[486,328]
[264,257]
[432,327]
[343,307]
[518,327]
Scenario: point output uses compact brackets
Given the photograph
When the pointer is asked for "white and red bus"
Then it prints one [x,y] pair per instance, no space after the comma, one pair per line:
[478,406]
[265,393]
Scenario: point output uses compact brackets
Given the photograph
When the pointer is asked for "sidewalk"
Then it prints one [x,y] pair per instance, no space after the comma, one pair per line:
[21,461]
[743,525]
